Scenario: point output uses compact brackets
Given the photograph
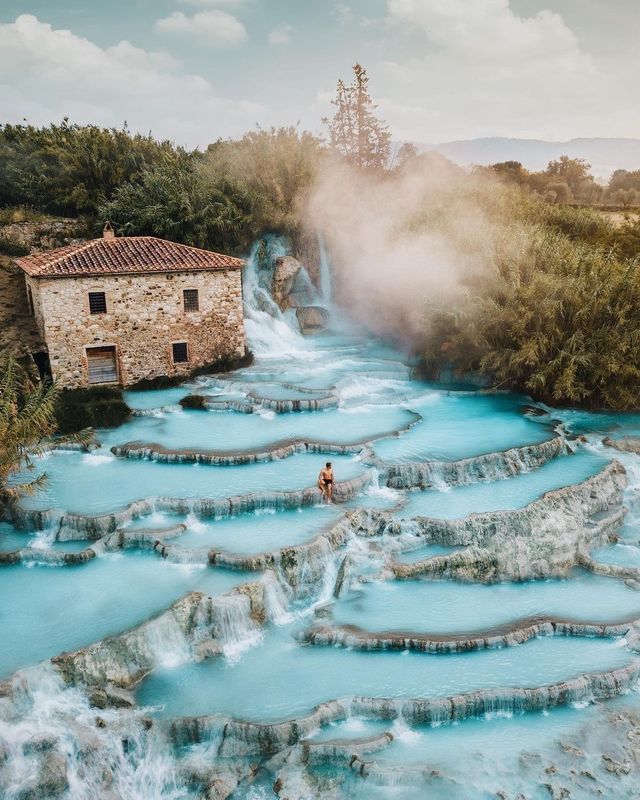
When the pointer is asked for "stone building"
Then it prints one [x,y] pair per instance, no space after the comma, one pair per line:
[117,310]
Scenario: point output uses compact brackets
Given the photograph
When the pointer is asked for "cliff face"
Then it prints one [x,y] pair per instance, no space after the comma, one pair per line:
[18,332]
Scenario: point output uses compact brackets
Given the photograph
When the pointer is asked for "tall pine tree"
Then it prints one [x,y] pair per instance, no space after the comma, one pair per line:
[354,130]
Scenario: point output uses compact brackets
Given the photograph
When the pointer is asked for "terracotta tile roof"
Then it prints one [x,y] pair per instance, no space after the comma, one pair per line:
[124,255]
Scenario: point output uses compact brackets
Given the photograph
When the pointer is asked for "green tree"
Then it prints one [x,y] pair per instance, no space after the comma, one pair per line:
[561,322]
[574,172]
[354,130]
[275,167]
[511,172]
[175,201]
[624,180]
[27,420]
[71,169]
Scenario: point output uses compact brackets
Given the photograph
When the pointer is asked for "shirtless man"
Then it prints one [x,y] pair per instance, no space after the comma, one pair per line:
[325,482]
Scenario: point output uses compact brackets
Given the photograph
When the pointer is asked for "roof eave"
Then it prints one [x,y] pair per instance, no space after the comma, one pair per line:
[112,274]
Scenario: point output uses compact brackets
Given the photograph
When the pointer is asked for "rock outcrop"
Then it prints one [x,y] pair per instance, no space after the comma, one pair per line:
[544,539]
[312,319]
[286,270]
[492,466]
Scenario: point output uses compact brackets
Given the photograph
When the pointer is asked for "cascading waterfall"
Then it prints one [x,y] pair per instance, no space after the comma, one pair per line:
[269,334]
[53,748]
[326,292]
[233,627]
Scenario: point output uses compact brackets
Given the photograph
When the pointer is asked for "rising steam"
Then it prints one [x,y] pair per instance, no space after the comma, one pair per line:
[405,242]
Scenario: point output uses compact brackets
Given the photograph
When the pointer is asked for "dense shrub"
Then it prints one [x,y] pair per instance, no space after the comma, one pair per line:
[561,323]
[223,364]
[194,401]
[97,407]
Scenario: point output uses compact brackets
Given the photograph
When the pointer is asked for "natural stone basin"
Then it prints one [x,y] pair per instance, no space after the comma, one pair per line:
[461,425]
[624,555]
[445,607]
[269,658]
[226,431]
[98,482]
[514,492]
[45,610]
[499,753]
[281,679]
[258,532]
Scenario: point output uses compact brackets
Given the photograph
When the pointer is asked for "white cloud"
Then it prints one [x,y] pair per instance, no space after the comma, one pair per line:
[46,74]
[281,34]
[215,26]
[487,29]
[343,13]
[487,70]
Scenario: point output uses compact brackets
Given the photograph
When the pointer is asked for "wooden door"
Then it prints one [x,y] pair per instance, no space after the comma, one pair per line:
[103,367]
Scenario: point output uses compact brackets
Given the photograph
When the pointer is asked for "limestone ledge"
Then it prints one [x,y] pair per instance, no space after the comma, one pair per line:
[276,452]
[193,627]
[238,737]
[545,538]
[512,634]
[492,466]
[80,526]
[627,444]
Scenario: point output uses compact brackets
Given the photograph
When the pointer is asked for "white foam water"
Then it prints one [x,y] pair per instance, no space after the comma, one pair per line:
[54,724]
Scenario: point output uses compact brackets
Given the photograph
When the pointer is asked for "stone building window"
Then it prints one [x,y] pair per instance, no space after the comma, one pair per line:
[97,303]
[191,302]
[30,301]
[180,352]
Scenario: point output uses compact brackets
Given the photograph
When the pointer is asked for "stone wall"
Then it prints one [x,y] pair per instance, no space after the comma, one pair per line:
[19,334]
[43,234]
[145,316]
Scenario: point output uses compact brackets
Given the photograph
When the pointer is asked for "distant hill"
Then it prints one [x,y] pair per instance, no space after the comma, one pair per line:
[604,155]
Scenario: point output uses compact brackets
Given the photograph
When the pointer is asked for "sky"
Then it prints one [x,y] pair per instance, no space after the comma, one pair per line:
[196,70]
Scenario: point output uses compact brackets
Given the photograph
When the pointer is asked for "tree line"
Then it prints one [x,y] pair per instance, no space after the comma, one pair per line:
[569,180]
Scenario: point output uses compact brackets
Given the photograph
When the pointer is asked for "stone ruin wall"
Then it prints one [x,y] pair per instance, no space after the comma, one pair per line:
[145,315]
[19,333]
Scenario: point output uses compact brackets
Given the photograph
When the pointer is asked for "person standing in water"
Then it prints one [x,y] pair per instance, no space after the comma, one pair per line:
[325,482]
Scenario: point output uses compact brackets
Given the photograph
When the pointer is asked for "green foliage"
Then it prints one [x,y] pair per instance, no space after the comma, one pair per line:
[97,407]
[354,130]
[174,200]
[567,180]
[224,364]
[561,321]
[27,420]
[276,169]
[220,200]
[70,169]
[624,188]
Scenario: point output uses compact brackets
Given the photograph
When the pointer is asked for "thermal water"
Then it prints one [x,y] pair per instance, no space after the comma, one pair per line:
[281,679]
[261,667]
[444,607]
